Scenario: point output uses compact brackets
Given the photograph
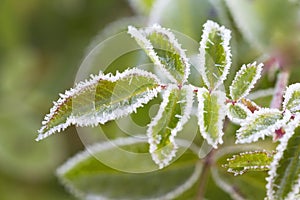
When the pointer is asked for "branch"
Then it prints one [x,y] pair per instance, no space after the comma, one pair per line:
[205,174]
[281,83]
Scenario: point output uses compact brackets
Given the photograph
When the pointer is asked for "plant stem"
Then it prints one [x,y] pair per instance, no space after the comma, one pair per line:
[281,83]
[204,175]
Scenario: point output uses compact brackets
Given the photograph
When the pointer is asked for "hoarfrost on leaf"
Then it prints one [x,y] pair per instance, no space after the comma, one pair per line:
[173,113]
[261,123]
[100,99]
[292,98]
[244,80]
[284,175]
[215,55]
[164,50]
[249,161]
[211,114]
[237,112]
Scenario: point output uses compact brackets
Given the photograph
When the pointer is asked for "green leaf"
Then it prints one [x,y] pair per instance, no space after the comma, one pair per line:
[211,114]
[101,99]
[249,161]
[284,174]
[237,112]
[292,98]
[215,55]
[142,6]
[173,113]
[244,80]
[250,186]
[86,177]
[164,50]
[261,123]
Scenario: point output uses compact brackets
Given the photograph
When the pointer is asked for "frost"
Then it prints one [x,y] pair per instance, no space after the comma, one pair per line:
[162,155]
[142,36]
[237,112]
[249,161]
[225,34]
[244,80]
[292,98]
[213,105]
[261,123]
[289,132]
[93,117]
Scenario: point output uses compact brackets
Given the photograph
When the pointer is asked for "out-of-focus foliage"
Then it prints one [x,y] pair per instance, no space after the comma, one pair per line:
[42,44]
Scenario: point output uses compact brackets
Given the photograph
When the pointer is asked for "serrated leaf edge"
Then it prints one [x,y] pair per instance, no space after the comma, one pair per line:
[222,114]
[288,95]
[289,132]
[183,119]
[236,120]
[146,44]
[92,121]
[259,69]
[173,40]
[226,36]
[266,132]
[246,168]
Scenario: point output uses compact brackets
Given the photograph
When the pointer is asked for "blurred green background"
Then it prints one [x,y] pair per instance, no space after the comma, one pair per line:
[41,46]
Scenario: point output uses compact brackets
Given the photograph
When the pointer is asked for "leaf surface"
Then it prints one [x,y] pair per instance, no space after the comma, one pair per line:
[101,99]
[211,114]
[215,55]
[173,113]
[292,98]
[86,177]
[284,174]
[249,161]
[164,50]
[244,80]
[237,112]
[262,123]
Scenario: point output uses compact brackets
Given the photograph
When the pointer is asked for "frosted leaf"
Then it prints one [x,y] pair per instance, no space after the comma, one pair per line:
[173,113]
[292,98]
[215,55]
[237,112]
[164,50]
[260,124]
[249,161]
[284,175]
[100,99]
[211,114]
[244,80]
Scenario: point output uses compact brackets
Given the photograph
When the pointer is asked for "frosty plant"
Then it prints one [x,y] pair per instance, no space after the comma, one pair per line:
[106,97]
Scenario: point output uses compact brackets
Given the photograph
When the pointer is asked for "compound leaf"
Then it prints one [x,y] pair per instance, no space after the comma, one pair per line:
[292,98]
[261,123]
[211,114]
[244,80]
[284,174]
[237,112]
[249,161]
[87,177]
[164,50]
[215,55]
[100,99]
[172,115]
